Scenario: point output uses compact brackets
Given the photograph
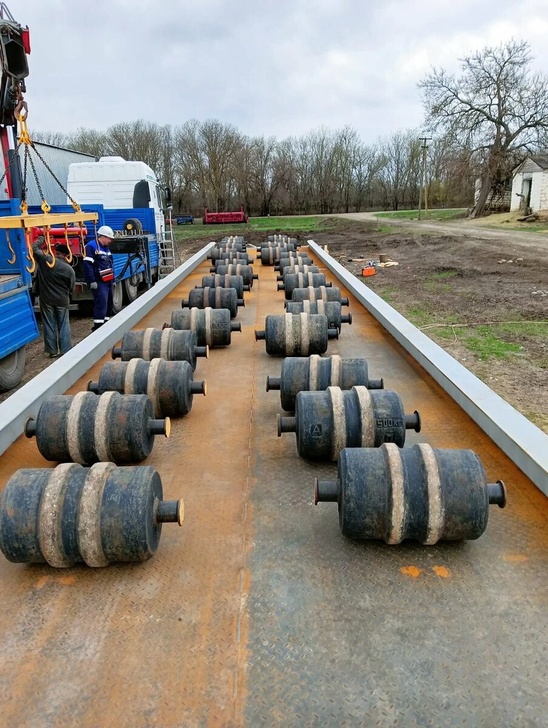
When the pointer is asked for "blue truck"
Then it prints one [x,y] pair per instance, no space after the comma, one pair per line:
[18,324]
[124,195]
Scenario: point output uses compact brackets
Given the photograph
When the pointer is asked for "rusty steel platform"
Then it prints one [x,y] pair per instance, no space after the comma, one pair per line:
[258,612]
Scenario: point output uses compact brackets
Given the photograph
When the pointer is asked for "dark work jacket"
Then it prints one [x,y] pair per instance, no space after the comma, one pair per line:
[54,284]
[98,257]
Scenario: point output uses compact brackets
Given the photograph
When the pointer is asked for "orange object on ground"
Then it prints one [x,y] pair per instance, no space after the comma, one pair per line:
[369,270]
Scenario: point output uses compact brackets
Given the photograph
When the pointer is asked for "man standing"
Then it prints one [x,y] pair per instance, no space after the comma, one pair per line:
[99,275]
[55,285]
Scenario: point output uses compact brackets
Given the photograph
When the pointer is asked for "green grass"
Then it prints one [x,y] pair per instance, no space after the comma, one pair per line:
[525,328]
[387,293]
[486,344]
[446,214]
[434,282]
[286,225]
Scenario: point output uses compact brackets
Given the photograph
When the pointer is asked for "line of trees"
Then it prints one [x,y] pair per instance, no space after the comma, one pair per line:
[211,164]
[482,121]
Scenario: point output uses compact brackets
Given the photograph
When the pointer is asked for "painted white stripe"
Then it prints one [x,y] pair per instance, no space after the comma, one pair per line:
[218,294]
[166,338]
[338,436]
[146,343]
[300,281]
[304,334]
[367,419]
[208,327]
[306,306]
[335,379]
[130,376]
[100,430]
[152,385]
[323,293]
[73,418]
[89,515]
[194,318]
[436,511]
[320,308]
[313,372]
[393,455]
[311,293]
[289,335]
[50,526]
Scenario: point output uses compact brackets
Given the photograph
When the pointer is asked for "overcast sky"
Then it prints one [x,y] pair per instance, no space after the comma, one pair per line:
[269,67]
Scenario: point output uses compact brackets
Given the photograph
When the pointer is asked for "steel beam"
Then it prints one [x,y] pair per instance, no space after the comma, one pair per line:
[524,443]
[13,222]
[61,374]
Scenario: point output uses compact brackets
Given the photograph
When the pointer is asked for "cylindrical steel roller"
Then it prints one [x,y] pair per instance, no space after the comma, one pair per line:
[69,514]
[331,309]
[231,259]
[418,493]
[289,335]
[220,252]
[246,271]
[168,384]
[292,259]
[231,239]
[212,326]
[326,422]
[166,344]
[287,269]
[316,374]
[270,254]
[85,428]
[225,281]
[214,297]
[280,238]
[301,280]
[320,293]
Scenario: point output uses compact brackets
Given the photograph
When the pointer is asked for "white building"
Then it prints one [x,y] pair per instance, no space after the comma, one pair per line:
[530,184]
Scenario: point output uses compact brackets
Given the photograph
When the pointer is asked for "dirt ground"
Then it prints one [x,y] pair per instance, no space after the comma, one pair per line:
[459,280]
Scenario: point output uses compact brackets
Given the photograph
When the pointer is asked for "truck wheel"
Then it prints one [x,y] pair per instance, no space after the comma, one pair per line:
[12,368]
[117,297]
[130,289]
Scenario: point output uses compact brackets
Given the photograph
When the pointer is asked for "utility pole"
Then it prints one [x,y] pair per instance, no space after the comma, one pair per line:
[424,148]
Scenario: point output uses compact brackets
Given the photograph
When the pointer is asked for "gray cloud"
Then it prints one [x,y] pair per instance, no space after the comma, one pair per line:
[278,69]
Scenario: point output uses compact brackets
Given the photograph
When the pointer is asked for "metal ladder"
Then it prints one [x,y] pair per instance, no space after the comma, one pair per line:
[169,256]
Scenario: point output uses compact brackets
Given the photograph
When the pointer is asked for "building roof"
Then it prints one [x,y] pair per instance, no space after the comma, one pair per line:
[541,160]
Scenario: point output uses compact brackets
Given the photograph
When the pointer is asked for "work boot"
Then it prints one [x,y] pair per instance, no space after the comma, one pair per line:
[96,326]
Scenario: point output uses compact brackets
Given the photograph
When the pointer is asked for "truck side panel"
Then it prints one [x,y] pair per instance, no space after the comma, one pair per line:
[17,321]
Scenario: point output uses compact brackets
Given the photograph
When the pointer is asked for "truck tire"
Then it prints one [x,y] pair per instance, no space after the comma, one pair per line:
[12,368]
[117,297]
[130,289]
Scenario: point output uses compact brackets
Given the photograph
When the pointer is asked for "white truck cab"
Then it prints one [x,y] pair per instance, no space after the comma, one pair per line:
[117,184]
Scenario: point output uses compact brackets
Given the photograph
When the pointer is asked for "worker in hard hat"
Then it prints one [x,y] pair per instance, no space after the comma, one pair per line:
[99,275]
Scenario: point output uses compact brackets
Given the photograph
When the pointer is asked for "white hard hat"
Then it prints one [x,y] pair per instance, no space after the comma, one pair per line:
[105,230]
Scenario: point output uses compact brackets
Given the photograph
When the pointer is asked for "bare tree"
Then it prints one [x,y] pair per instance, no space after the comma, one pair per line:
[400,172]
[497,108]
